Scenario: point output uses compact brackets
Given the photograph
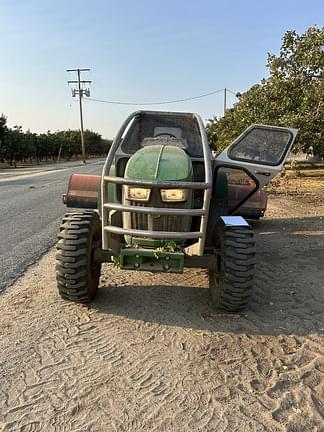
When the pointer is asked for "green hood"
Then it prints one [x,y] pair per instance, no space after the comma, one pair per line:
[159,162]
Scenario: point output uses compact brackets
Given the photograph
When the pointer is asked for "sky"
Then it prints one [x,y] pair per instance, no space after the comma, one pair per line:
[138,51]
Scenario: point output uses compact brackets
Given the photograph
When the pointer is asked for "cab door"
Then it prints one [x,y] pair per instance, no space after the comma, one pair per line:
[252,160]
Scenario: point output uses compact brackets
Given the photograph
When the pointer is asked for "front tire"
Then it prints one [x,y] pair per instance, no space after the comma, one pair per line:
[78,262]
[231,282]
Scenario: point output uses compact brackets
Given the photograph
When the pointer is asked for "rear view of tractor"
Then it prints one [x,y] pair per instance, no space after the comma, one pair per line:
[163,202]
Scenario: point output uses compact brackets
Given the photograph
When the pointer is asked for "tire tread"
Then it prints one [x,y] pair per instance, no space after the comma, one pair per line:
[77,277]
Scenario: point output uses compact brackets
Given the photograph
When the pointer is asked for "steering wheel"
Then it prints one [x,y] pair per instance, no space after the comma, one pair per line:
[166,134]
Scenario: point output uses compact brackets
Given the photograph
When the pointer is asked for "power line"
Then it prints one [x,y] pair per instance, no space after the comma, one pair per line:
[160,102]
[233,93]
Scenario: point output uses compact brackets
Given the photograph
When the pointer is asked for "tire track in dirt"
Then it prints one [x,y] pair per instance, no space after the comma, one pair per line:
[151,354]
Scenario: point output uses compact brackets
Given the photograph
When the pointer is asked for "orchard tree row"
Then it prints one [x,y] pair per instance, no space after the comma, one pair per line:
[18,146]
[292,95]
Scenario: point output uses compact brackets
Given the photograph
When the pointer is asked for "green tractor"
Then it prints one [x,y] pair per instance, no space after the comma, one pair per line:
[163,202]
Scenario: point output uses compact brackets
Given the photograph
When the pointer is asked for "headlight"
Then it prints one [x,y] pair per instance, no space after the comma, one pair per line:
[137,193]
[174,195]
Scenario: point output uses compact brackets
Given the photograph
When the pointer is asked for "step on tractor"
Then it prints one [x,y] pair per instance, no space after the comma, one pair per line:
[164,202]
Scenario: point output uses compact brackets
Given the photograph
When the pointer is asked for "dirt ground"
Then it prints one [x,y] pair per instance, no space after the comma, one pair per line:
[150,354]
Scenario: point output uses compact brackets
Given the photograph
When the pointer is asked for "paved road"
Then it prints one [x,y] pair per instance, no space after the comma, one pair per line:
[30,213]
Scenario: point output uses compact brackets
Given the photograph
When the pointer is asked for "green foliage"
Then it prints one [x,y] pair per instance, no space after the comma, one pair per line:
[167,246]
[3,132]
[170,246]
[17,146]
[116,261]
[3,126]
[291,96]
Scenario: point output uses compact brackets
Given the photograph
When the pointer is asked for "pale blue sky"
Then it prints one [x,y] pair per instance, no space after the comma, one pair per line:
[137,51]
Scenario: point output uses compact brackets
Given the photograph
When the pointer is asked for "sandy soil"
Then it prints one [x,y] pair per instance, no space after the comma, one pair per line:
[150,354]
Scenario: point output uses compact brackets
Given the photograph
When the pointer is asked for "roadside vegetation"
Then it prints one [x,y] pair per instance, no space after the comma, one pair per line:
[291,96]
[17,146]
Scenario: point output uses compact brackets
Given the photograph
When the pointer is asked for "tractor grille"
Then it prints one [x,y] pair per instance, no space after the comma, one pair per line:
[158,223]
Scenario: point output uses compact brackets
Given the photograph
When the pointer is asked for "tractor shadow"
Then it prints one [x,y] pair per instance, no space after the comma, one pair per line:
[287,297]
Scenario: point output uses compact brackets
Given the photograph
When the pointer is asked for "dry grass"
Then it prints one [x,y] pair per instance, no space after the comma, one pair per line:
[303,181]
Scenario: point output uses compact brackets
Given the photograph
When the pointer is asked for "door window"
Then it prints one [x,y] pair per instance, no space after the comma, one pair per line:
[233,187]
[264,146]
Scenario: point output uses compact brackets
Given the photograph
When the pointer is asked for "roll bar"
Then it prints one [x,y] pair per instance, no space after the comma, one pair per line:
[106,206]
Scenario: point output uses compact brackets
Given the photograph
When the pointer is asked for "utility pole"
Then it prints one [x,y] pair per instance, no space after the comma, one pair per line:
[79,90]
[225,100]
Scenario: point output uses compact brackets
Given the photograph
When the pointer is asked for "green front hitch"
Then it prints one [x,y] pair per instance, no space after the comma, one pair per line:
[153,260]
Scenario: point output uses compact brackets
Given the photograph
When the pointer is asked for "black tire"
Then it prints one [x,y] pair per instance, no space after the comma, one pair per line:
[78,262]
[231,283]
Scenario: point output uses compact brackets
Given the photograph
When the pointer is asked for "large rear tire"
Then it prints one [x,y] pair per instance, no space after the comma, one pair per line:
[231,282]
[78,262]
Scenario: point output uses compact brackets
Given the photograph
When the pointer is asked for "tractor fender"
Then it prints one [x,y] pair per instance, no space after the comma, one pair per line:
[83,190]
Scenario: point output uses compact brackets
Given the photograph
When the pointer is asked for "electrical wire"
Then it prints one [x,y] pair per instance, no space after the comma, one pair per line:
[233,93]
[157,103]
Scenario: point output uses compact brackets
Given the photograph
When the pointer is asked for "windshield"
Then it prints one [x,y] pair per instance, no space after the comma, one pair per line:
[182,131]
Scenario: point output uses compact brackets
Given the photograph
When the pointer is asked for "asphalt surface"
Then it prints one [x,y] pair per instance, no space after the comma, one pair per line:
[31,210]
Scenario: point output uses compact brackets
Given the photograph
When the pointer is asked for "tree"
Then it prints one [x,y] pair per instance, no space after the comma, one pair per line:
[15,148]
[3,131]
[16,145]
[291,96]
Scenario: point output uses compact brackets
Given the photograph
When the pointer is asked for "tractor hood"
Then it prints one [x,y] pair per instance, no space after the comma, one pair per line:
[159,162]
